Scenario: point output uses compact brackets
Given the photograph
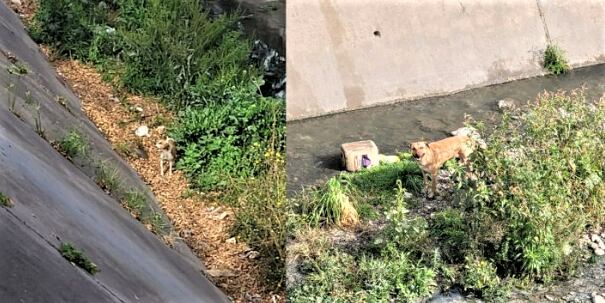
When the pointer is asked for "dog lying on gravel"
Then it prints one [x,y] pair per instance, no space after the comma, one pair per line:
[431,156]
[167,154]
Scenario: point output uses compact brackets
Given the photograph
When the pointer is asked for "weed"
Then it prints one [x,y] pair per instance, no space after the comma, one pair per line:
[158,120]
[38,124]
[554,60]
[77,257]
[63,102]
[107,177]
[135,202]
[480,275]
[5,201]
[73,145]
[333,206]
[17,69]
[125,149]
[261,216]
[12,99]
[157,223]
[134,149]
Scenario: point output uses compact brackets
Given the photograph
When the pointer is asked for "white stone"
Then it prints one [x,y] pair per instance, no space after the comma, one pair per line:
[599,252]
[231,241]
[506,104]
[142,131]
[16,2]
[598,299]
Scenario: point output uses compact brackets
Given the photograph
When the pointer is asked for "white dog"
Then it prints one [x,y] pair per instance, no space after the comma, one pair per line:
[168,154]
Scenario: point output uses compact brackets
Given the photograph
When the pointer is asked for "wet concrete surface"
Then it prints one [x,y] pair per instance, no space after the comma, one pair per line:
[313,145]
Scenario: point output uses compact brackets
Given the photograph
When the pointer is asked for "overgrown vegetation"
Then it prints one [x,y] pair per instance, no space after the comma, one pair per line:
[198,65]
[5,201]
[554,60]
[539,189]
[77,257]
[225,131]
[261,219]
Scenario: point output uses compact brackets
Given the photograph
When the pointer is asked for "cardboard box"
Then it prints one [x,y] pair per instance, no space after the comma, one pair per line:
[359,155]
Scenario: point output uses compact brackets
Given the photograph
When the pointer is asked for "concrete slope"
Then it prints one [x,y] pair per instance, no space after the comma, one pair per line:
[350,54]
[57,201]
[42,94]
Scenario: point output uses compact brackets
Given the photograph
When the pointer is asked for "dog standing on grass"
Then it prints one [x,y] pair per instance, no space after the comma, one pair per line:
[167,154]
[431,156]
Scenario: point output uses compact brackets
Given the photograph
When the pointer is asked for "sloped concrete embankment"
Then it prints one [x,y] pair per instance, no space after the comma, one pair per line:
[345,55]
[57,201]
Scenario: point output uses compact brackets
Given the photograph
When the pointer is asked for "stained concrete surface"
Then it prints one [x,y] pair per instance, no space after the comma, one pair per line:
[313,145]
[348,54]
[57,201]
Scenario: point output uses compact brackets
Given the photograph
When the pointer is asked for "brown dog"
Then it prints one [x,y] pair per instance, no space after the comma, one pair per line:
[431,156]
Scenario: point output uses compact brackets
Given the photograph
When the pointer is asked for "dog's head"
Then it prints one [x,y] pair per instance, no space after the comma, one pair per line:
[419,149]
[164,144]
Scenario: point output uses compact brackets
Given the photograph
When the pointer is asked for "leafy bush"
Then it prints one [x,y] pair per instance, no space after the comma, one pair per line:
[221,142]
[180,54]
[70,26]
[542,177]
[554,60]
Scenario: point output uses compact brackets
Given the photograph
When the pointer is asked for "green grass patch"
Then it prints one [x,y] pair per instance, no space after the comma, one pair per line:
[107,177]
[17,69]
[554,60]
[5,200]
[77,257]
[73,145]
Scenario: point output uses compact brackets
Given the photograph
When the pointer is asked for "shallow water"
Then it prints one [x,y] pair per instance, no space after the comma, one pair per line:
[313,145]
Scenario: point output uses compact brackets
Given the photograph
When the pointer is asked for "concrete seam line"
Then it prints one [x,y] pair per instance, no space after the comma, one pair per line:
[55,248]
[541,12]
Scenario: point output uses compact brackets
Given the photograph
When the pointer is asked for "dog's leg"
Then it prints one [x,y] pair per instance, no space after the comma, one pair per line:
[434,185]
[170,168]
[162,167]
